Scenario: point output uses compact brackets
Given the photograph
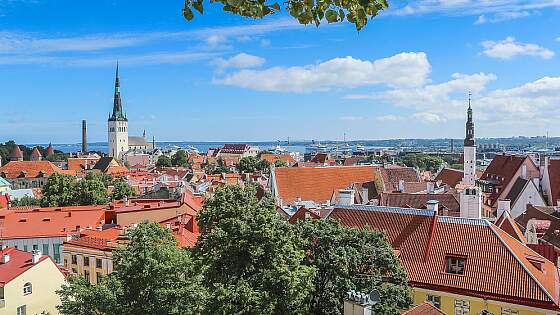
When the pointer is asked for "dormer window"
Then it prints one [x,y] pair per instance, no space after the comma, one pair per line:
[455,265]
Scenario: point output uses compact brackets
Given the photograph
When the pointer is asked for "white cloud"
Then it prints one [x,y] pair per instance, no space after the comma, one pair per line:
[501,16]
[509,48]
[351,118]
[473,7]
[388,118]
[428,117]
[239,61]
[404,69]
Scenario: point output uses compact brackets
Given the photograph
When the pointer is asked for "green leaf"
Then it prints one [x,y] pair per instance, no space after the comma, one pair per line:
[188,14]
[276,6]
[331,16]
[198,6]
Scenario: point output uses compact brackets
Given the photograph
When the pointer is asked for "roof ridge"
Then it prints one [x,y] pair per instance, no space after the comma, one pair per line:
[541,286]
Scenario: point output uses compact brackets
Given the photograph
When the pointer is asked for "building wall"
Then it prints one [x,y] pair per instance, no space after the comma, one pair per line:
[530,195]
[84,254]
[476,305]
[45,279]
[24,183]
[532,172]
[41,243]
[469,166]
[152,215]
[118,138]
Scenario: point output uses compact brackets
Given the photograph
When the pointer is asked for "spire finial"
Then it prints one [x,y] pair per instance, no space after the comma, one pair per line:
[470,97]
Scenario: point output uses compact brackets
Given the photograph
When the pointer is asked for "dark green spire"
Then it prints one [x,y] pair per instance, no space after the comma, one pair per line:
[118,113]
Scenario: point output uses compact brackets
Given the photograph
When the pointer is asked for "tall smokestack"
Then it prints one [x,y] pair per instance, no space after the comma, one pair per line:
[84,136]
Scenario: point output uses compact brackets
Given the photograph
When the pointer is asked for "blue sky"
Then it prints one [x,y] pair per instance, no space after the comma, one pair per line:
[225,78]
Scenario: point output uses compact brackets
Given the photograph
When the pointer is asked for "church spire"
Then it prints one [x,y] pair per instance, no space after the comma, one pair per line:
[117,103]
[469,128]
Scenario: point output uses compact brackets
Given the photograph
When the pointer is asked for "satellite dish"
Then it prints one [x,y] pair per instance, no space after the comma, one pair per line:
[374,297]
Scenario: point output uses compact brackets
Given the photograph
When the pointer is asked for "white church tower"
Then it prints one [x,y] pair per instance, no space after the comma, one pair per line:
[118,124]
[471,196]
[469,151]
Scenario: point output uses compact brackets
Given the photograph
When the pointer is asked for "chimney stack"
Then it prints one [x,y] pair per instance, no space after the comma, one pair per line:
[433,205]
[5,258]
[84,137]
[346,197]
[36,256]
[358,303]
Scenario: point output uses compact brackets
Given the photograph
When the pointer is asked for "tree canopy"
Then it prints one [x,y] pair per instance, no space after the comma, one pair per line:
[306,12]
[423,161]
[151,276]
[64,190]
[122,189]
[164,161]
[180,158]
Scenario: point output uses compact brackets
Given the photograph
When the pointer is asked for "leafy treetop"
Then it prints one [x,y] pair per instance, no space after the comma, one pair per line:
[305,12]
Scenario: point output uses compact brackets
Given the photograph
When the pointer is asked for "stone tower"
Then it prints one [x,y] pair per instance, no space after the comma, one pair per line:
[469,151]
[117,124]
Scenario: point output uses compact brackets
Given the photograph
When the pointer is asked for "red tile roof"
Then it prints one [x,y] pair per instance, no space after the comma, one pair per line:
[35,153]
[16,153]
[554,175]
[502,170]
[49,222]
[50,150]
[28,169]
[19,263]
[392,175]
[507,224]
[102,240]
[497,266]
[318,183]
[425,308]
[450,176]
[447,202]
[288,159]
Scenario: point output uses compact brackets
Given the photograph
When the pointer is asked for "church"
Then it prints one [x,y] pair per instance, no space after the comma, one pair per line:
[118,139]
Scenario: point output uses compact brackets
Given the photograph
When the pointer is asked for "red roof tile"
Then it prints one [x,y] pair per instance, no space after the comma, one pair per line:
[393,175]
[554,175]
[497,266]
[19,263]
[16,153]
[450,176]
[447,202]
[425,308]
[35,153]
[28,169]
[288,159]
[318,183]
[102,240]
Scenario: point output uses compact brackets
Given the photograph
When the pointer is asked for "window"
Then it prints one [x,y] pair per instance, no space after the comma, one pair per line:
[56,253]
[24,248]
[435,300]
[21,310]
[46,249]
[27,288]
[35,247]
[74,259]
[455,265]
[86,275]
[86,261]
[509,311]
[98,277]
[462,307]
[98,263]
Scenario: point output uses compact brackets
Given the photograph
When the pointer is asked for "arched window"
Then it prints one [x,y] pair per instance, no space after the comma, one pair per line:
[27,288]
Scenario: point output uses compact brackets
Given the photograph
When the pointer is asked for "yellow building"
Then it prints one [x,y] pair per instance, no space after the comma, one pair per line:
[28,283]
[463,266]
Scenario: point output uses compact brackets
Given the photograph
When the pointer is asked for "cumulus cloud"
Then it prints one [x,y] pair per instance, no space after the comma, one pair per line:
[509,48]
[351,118]
[239,61]
[501,16]
[403,70]
[388,118]
[473,7]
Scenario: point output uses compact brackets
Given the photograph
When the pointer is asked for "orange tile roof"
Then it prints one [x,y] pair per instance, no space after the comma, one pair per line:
[507,224]
[425,308]
[446,201]
[102,240]
[497,266]
[554,175]
[450,176]
[30,169]
[49,222]
[269,157]
[392,175]
[19,263]
[318,183]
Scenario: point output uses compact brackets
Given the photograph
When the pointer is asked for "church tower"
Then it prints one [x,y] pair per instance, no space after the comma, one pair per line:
[469,151]
[117,124]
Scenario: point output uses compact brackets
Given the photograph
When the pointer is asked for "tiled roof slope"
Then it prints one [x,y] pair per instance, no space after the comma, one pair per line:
[450,176]
[507,224]
[425,308]
[318,183]
[29,169]
[502,169]
[402,200]
[496,266]
[554,175]
[19,263]
[392,175]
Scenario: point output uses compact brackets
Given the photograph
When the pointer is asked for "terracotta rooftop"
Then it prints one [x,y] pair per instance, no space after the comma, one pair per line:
[447,202]
[49,222]
[36,153]
[497,266]
[274,157]
[19,263]
[425,308]
[29,169]
[50,150]
[103,240]
[318,183]
[450,176]
[554,175]
[393,175]
[16,153]
[502,170]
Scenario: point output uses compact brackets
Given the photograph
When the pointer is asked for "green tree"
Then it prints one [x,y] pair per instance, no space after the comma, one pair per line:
[164,161]
[252,260]
[25,201]
[263,165]
[280,163]
[423,161]
[122,189]
[59,191]
[352,259]
[151,276]
[356,12]
[247,164]
[91,192]
[180,158]
[106,179]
